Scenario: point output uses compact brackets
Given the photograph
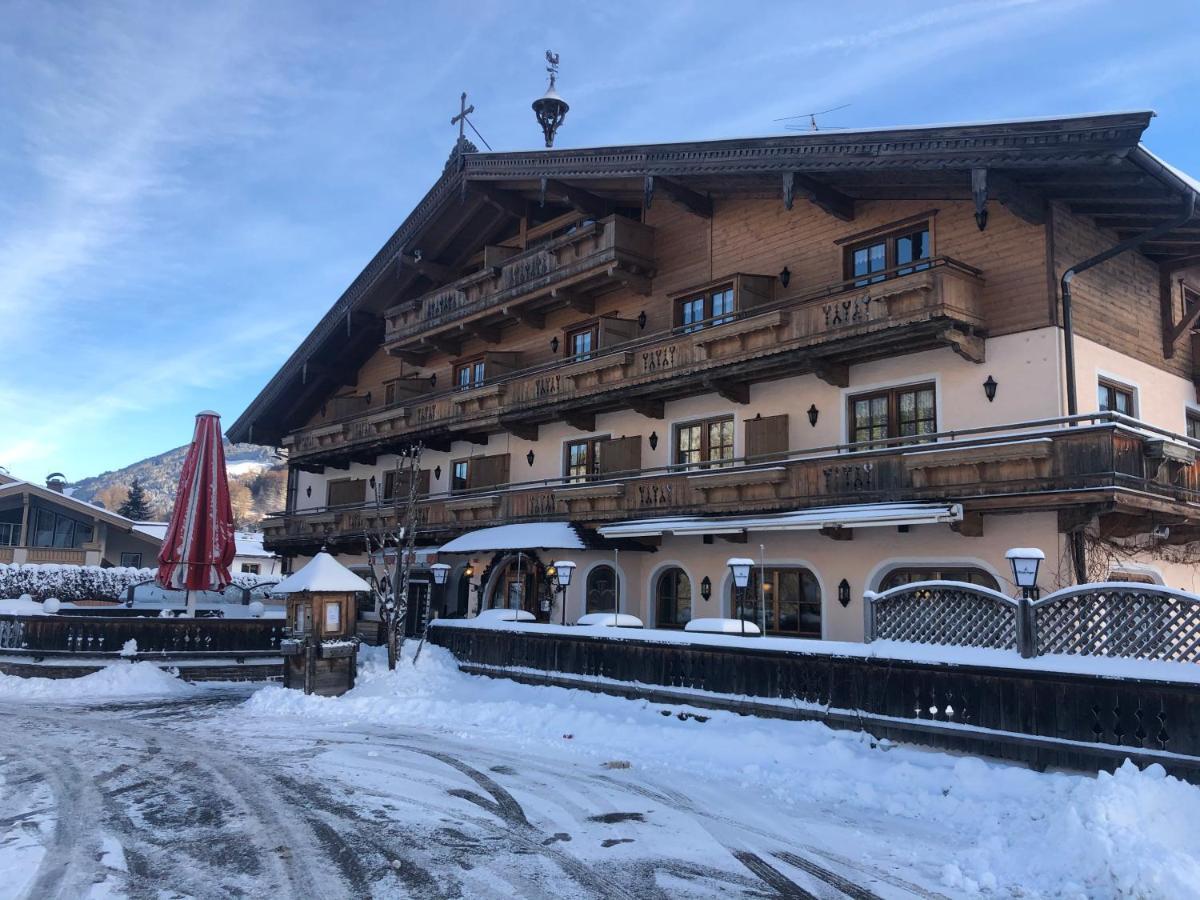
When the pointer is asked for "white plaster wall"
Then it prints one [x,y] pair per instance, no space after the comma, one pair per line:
[1160,398]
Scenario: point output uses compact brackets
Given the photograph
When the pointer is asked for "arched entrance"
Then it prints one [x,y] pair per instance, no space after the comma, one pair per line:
[518,581]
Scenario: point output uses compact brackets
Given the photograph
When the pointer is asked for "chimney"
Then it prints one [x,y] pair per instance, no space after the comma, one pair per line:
[56,481]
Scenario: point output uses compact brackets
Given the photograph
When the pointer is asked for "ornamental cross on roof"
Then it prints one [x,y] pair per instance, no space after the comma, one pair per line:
[461,119]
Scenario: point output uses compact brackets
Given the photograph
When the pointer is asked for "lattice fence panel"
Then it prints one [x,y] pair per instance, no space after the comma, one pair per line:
[944,614]
[1139,623]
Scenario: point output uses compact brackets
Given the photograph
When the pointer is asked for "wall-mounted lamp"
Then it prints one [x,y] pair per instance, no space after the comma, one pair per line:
[844,592]
[433,380]
[989,388]
[705,587]
[654,440]
[308,491]
[371,482]
[785,276]
[554,344]
[437,472]
[813,412]
[529,457]
[1025,562]
[469,571]
[641,319]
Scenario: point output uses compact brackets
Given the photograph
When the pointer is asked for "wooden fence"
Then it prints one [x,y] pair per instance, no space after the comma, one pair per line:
[1039,717]
[102,634]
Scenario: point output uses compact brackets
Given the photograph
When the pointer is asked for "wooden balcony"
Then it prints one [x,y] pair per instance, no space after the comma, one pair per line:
[822,333]
[595,257]
[1104,462]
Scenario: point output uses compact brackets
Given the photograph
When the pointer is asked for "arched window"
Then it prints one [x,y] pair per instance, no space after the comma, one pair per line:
[673,599]
[789,602]
[908,574]
[602,589]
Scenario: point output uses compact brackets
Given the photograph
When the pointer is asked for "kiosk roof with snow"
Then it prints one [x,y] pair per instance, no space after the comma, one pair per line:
[322,574]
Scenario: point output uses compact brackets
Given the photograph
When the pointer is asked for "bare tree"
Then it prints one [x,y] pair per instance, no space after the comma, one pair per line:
[397,530]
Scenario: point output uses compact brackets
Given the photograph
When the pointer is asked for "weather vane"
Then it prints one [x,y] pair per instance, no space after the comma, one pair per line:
[550,108]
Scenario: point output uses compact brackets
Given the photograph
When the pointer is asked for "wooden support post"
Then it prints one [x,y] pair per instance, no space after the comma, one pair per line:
[695,203]
[969,346]
[835,374]
[651,409]
[584,201]
[578,302]
[821,195]
[523,431]
[526,316]
[584,421]
[733,391]
[507,201]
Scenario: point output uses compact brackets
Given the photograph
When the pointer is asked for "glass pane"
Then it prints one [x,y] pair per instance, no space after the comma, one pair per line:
[693,311]
[63,528]
[722,306]
[43,534]
[479,373]
[83,534]
[1102,397]
[878,259]
[1124,402]
[912,247]
[688,444]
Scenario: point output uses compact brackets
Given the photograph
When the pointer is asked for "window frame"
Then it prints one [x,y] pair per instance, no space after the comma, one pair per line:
[705,424]
[1191,419]
[1113,387]
[677,572]
[591,328]
[592,457]
[746,601]
[476,367]
[893,395]
[595,572]
[889,237]
[131,554]
[939,569]
[465,463]
[705,295]
[251,568]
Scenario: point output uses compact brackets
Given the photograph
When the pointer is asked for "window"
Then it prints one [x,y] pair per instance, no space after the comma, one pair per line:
[582,458]
[908,574]
[704,443]
[345,491]
[333,616]
[131,560]
[790,601]
[51,529]
[391,392]
[673,599]
[888,255]
[894,413]
[1193,424]
[460,473]
[601,594]
[250,568]
[469,374]
[714,307]
[582,341]
[1115,397]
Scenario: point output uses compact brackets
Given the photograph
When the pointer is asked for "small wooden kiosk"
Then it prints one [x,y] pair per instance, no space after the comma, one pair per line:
[321,650]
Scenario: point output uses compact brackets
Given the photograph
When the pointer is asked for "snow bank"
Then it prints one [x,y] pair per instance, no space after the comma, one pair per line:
[1015,832]
[117,681]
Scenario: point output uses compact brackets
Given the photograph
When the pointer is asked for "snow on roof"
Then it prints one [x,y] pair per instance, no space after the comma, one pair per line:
[249,543]
[527,536]
[17,486]
[323,573]
[859,515]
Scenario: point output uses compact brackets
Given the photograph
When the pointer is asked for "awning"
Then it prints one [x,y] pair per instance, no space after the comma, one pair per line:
[528,536]
[865,515]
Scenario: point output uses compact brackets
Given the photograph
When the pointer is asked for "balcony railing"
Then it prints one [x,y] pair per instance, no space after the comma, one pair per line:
[594,256]
[1087,455]
[943,302]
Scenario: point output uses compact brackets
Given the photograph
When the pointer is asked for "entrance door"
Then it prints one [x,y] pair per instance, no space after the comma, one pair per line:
[414,621]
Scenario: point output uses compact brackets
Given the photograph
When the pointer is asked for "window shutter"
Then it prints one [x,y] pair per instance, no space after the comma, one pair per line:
[616,331]
[621,455]
[486,471]
[343,492]
[766,438]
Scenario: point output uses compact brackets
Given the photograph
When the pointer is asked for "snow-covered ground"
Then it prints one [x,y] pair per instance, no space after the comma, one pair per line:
[428,782]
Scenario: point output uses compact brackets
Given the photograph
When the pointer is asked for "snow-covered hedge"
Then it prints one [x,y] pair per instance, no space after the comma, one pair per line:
[73,583]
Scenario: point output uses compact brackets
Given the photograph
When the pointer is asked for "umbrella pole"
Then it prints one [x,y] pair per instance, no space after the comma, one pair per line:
[190,605]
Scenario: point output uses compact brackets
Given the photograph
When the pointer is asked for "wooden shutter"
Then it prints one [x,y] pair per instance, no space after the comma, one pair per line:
[621,455]
[615,331]
[766,438]
[486,471]
[346,491]
[396,484]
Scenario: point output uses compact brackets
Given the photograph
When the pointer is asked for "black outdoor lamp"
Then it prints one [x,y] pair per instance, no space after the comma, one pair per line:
[844,593]
[989,388]
[813,412]
[437,473]
[554,344]
[1025,562]
[705,587]
[641,320]
[440,572]
[562,570]
[433,380]
[785,276]
[654,440]
[739,568]
[529,457]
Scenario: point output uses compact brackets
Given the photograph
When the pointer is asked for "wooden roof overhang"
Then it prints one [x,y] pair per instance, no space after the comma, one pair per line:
[1094,164]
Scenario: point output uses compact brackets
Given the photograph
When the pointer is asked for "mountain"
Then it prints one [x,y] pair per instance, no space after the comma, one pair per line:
[257,482]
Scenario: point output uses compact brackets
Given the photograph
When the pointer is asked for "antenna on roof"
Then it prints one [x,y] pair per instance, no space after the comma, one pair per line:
[812,119]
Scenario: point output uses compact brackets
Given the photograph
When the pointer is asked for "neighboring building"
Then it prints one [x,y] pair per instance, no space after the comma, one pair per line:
[45,525]
[251,558]
[840,354]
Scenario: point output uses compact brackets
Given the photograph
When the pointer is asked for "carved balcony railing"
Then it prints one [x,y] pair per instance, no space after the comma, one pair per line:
[822,332]
[594,257]
[996,468]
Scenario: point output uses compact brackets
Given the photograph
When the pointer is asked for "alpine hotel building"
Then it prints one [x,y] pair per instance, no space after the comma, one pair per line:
[843,355]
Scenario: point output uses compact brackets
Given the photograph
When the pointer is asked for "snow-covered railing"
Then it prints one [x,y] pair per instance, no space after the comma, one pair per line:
[1114,619]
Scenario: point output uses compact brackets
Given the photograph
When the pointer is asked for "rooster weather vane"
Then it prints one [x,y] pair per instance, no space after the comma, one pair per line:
[550,108]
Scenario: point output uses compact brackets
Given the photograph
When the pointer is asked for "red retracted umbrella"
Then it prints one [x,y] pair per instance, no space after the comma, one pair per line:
[199,545]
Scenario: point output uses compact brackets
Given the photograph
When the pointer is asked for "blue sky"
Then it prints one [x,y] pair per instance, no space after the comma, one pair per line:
[186,188]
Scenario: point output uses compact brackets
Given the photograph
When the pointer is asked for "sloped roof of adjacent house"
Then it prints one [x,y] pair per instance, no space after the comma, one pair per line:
[1095,163]
[16,486]
[323,573]
[248,543]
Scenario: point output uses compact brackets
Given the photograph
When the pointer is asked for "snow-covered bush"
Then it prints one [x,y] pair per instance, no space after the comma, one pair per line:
[73,583]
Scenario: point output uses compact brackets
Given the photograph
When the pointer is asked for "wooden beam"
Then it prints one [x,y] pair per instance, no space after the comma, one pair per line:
[506,201]
[838,533]
[836,374]
[1173,332]
[733,391]
[651,409]
[971,525]
[693,202]
[445,344]
[639,284]
[473,437]
[487,334]
[524,432]
[584,201]
[412,357]
[434,271]
[834,202]
[578,302]
[525,316]
[969,346]
[739,537]
[1020,201]
[584,421]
